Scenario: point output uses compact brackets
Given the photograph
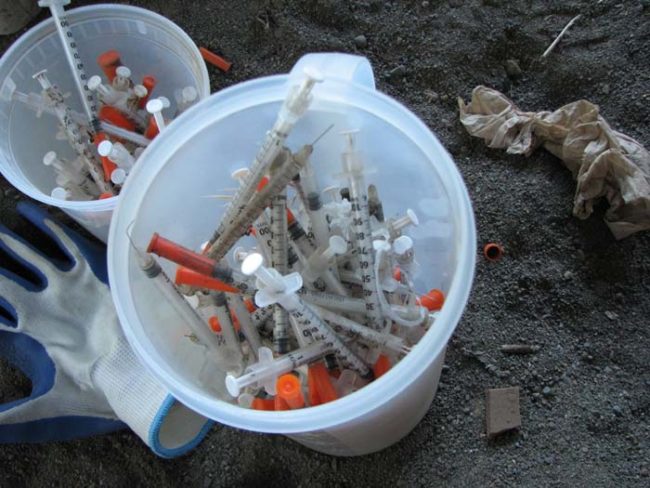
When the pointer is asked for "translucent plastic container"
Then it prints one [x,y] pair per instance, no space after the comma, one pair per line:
[410,168]
[148,44]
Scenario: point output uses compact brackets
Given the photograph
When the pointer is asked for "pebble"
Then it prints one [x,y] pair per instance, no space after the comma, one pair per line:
[568,275]
[425,4]
[547,391]
[611,315]
[608,370]
[605,88]
[360,41]
[618,411]
[512,68]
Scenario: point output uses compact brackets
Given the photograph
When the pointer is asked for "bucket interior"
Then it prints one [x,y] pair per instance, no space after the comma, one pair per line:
[148,44]
[173,197]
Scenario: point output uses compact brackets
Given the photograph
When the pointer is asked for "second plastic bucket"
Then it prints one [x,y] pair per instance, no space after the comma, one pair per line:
[149,44]
[408,165]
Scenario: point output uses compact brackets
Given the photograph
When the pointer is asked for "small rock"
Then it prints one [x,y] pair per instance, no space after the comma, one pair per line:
[608,370]
[512,68]
[568,275]
[336,44]
[425,4]
[360,41]
[618,411]
[444,97]
[547,391]
[611,315]
[605,88]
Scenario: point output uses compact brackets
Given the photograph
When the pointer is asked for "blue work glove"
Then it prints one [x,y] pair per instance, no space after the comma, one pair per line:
[66,338]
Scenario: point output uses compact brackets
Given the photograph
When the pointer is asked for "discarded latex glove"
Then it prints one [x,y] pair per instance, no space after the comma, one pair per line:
[604,162]
[66,338]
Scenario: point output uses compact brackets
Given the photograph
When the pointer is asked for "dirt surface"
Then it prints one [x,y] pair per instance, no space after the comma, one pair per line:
[563,284]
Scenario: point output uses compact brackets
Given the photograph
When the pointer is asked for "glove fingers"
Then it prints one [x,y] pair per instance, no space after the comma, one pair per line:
[27,258]
[76,247]
[11,290]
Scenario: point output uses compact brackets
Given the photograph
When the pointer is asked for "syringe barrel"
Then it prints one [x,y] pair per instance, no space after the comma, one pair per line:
[181,255]
[178,302]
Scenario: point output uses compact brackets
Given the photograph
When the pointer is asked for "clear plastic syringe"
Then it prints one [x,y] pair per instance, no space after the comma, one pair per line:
[154,271]
[72,172]
[275,288]
[236,304]
[265,372]
[294,106]
[73,58]
[285,167]
[362,233]
[222,313]
[279,257]
[54,97]
[353,330]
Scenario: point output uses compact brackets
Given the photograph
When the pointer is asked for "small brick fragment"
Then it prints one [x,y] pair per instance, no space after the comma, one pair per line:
[502,410]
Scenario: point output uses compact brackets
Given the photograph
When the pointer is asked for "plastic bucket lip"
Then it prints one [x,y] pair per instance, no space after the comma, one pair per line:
[328,415]
[46,27]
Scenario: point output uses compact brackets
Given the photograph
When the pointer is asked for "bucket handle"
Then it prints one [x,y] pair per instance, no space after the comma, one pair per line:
[343,67]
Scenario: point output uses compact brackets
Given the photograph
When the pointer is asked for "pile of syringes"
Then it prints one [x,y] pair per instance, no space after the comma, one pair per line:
[324,302]
[120,120]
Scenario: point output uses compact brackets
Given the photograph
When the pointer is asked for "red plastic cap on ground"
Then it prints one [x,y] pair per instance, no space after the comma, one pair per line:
[109,61]
[215,59]
[289,389]
[493,251]
[104,196]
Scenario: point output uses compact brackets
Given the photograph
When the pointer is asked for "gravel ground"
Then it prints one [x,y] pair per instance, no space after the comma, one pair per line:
[563,284]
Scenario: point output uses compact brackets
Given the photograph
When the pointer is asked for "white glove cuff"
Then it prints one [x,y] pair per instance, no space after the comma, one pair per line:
[165,425]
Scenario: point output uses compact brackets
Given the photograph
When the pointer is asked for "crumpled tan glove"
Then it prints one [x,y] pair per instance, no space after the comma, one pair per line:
[604,162]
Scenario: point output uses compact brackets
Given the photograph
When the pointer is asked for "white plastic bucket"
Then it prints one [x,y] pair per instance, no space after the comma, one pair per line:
[196,157]
[148,44]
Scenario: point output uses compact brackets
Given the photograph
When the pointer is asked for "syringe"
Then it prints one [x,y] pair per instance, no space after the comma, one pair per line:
[236,303]
[282,170]
[317,265]
[292,109]
[71,172]
[117,153]
[266,370]
[353,330]
[73,132]
[227,327]
[279,262]
[275,288]
[198,262]
[362,233]
[74,60]
[152,270]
